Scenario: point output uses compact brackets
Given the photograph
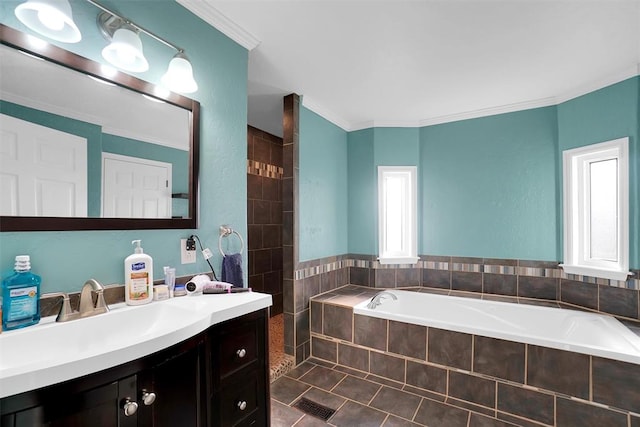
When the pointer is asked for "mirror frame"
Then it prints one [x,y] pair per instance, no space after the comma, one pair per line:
[20,40]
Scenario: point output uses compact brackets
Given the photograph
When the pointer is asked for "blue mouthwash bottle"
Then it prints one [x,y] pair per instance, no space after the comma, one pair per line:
[20,296]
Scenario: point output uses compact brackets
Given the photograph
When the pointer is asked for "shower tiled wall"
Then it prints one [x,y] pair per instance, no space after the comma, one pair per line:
[264,214]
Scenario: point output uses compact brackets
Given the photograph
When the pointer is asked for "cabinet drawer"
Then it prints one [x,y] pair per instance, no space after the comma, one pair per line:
[239,348]
[239,402]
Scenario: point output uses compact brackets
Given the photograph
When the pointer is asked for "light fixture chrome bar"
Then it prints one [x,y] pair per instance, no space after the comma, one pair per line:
[136,26]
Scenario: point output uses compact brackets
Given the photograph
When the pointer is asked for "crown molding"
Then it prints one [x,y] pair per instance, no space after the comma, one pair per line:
[325,113]
[215,18]
[491,111]
[576,92]
[613,78]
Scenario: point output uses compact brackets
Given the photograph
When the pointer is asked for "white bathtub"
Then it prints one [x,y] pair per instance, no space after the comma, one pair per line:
[580,332]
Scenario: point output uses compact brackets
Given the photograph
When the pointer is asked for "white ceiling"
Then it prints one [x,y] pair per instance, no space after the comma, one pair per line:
[412,63]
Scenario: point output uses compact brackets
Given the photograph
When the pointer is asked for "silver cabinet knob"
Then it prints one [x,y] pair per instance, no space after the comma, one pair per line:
[241,353]
[242,405]
[130,407]
[148,397]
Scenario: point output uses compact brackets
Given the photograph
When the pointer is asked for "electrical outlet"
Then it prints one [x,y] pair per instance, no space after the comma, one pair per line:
[187,255]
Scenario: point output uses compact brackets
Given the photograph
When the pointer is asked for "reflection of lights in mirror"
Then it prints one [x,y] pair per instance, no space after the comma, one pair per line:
[35,42]
[108,70]
[53,19]
[30,55]
[104,82]
[162,132]
[151,98]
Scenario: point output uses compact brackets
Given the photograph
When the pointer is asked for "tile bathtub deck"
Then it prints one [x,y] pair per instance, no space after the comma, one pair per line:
[361,400]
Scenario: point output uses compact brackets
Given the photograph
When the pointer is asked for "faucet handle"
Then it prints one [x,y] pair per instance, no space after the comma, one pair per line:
[65,310]
[65,313]
[101,304]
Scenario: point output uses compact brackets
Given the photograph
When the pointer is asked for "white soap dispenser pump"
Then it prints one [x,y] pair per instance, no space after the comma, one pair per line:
[138,277]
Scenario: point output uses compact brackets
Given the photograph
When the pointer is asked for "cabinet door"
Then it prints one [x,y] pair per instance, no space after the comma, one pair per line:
[98,407]
[239,372]
[176,386]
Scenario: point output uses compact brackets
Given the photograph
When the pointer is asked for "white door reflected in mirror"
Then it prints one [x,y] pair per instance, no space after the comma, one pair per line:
[43,171]
[135,188]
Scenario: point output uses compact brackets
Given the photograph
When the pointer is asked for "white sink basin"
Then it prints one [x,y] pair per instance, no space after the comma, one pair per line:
[52,352]
[85,336]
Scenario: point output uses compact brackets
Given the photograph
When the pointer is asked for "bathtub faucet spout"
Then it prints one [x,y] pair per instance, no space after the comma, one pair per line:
[375,301]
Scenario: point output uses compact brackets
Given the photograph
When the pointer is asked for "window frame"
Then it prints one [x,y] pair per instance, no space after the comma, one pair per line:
[576,212]
[409,252]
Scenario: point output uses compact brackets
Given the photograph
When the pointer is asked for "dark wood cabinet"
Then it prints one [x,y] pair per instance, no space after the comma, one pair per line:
[216,378]
[240,390]
[170,391]
[70,405]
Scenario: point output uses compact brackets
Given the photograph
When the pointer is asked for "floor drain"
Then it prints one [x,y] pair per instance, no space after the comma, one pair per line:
[314,409]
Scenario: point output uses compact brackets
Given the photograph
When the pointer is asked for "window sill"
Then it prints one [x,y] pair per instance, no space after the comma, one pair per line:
[596,272]
[398,260]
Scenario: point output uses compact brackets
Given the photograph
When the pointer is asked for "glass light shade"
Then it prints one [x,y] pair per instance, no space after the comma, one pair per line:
[125,51]
[50,18]
[179,75]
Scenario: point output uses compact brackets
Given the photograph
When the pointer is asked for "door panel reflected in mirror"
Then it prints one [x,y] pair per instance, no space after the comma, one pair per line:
[76,146]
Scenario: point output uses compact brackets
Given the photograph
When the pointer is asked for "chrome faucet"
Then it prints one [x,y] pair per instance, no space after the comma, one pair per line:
[375,301]
[87,308]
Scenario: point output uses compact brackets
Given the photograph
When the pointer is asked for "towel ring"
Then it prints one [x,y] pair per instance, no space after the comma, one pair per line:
[226,231]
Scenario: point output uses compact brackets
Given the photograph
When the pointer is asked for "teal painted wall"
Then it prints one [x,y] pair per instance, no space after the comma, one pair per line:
[363,208]
[609,113]
[368,149]
[396,147]
[488,187]
[492,186]
[322,191]
[66,259]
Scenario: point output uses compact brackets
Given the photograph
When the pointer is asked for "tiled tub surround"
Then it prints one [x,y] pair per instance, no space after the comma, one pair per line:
[571,330]
[458,372]
[500,279]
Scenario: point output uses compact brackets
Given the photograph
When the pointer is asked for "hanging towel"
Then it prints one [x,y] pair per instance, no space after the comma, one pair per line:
[232,270]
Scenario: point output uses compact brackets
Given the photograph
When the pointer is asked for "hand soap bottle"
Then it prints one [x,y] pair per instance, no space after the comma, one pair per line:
[138,277]
[20,296]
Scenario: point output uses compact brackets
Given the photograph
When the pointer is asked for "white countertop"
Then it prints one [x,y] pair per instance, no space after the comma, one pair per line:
[50,352]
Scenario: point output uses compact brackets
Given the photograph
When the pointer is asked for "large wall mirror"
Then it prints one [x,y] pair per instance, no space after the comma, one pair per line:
[83,147]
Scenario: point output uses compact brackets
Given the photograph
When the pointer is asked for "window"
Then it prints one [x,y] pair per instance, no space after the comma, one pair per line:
[397,214]
[596,210]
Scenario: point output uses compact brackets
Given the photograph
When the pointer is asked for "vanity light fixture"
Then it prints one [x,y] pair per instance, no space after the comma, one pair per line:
[50,18]
[53,19]
[179,75]
[125,51]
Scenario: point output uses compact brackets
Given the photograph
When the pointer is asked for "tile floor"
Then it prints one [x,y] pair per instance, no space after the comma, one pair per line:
[360,400]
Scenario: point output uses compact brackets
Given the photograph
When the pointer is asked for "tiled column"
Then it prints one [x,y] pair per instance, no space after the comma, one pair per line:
[290,124]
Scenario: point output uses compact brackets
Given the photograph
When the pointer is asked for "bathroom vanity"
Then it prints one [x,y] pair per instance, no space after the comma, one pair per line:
[218,376]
